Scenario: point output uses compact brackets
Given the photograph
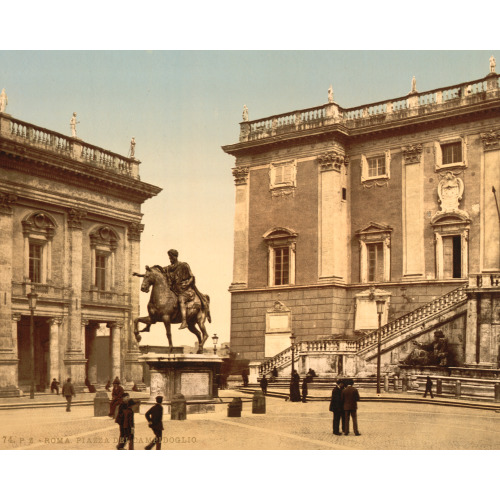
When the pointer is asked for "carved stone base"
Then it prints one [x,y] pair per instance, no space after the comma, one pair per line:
[192,375]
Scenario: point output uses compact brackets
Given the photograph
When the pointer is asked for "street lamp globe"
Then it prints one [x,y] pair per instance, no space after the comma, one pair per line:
[32,298]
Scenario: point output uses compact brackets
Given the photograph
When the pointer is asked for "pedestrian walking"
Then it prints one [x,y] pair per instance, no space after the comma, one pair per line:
[120,419]
[428,387]
[350,398]
[68,392]
[263,384]
[128,427]
[295,387]
[116,397]
[155,418]
[244,376]
[304,389]
[337,407]
[54,386]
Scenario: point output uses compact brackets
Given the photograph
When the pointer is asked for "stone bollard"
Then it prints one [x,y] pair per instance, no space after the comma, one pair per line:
[178,407]
[234,408]
[396,384]
[386,383]
[458,389]
[404,383]
[101,404]
[497,393]
[258,402]
[439,386]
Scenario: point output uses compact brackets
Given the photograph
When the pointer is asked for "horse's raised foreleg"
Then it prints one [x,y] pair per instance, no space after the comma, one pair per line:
[144,319]
[192,328]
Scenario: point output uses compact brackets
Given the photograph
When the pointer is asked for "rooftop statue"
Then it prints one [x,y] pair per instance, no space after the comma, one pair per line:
[493,65]
[330,94]
[72,125]
[3,101]
[245,113]
[414,86]
[132,148]
[174,299]
[434,353]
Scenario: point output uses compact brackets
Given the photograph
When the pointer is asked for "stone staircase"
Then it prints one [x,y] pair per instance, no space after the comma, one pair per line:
[401,330]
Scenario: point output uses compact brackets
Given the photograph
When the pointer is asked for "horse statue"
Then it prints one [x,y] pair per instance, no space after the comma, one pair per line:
[163,306]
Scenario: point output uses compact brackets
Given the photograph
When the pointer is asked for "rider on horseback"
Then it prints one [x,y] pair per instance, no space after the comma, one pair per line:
[182,283]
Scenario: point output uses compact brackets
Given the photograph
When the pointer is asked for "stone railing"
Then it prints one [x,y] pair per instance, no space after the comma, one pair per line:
[413,318]
[402,107]
[44,290]
[306,347]
[70,147]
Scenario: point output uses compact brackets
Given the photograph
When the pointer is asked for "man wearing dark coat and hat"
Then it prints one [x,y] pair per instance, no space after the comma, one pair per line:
[155,418]
[337,407]
[116,397]
[125,420]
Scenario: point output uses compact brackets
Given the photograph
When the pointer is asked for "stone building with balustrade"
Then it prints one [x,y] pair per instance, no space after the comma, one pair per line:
[70,219]
[337,208]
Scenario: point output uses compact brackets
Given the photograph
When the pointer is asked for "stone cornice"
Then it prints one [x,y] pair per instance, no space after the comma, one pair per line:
[34,161]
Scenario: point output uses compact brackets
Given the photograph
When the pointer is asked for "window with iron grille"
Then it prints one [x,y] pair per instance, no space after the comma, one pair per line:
[451,153]
[376,166]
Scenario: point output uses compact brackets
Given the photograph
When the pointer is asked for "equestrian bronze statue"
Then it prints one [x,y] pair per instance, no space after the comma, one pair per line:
[174,299]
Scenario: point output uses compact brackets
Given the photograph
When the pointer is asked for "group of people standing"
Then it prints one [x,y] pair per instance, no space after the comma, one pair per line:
[344,405]
[121,408]
[295,386]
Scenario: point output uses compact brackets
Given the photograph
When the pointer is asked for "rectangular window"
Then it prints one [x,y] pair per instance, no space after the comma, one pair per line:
[375,261]
[451,153]
[35,262]
[281,266]
[376,166]
[452,257]
[100,271]
[283,174]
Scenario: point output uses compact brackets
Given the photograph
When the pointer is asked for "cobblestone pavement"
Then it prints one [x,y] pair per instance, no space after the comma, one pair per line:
[285,426]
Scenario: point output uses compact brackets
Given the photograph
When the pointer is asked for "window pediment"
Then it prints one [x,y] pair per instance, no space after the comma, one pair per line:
[374,232]
[104,236]
[39,223]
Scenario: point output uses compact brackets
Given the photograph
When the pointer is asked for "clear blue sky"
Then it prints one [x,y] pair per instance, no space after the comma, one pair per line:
[182,106]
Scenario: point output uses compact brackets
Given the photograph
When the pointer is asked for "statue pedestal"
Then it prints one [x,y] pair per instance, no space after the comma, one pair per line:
[192,375]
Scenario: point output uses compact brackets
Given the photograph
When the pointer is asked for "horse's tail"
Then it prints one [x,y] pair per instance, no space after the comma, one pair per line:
[209,317]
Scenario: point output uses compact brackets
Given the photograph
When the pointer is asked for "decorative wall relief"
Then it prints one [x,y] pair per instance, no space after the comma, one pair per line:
[450,190]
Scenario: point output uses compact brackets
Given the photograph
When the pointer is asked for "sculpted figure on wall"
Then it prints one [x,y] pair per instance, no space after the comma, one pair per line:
[450,191]
[435,353]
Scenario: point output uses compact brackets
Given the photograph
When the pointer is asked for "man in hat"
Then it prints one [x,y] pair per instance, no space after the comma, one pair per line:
[68,392]
[182,283]
[54,386]
[120,420]
[116,397]
[350,398]
[155,416]
[337,407]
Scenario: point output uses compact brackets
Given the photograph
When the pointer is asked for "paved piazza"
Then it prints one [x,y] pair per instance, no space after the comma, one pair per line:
[285,426]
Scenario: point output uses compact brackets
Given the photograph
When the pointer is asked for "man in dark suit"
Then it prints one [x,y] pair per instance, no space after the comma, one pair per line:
[68,392]
[263,384]
[350,398]
[120,420]
[155,418]
[337,407]
[128,425]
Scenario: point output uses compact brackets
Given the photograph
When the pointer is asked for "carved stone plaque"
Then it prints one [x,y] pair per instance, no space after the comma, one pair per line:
[195,384]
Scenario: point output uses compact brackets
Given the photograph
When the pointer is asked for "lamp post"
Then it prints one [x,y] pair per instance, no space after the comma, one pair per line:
[32,298]
[215,339]
[292,342]
[380,310]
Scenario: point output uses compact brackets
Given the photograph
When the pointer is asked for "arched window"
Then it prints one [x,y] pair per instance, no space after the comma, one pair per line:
[281,256]
[103,244]
[38,231]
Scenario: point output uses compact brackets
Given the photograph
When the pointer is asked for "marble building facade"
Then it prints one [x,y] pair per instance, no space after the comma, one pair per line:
[70,219]
[393,200]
